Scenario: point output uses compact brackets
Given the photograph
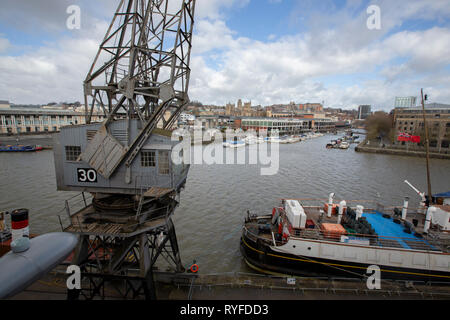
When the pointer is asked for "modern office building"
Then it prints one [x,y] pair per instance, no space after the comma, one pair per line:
[364,112]
[405,102]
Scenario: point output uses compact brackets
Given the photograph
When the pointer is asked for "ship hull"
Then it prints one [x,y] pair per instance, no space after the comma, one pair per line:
[261,257]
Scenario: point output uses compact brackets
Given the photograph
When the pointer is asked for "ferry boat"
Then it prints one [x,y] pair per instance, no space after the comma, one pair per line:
[316,238]
[20,148]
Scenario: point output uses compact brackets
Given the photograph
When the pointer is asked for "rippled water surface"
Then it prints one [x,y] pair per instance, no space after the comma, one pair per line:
[209,219]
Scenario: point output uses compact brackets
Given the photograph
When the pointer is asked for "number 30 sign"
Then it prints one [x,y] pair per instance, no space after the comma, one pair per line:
[87,175]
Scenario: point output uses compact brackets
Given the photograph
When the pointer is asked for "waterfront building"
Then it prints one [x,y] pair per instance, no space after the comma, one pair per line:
[285,125]
[215,122]
[29,120]
[364,111]
[405,102]
[410,120]
[4,104]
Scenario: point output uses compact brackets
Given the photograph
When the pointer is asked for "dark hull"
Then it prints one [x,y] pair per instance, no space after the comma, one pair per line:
[18,149]
[262,258]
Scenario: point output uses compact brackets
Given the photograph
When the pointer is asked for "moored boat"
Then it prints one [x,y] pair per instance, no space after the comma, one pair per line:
[321,239]
[20,148]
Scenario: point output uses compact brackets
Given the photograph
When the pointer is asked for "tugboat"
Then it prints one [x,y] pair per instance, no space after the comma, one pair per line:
[322,239]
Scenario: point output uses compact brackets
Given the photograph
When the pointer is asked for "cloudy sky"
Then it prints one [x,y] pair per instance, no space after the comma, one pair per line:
[267,51]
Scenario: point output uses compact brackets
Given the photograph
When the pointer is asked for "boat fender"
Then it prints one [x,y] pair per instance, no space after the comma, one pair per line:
[194,268]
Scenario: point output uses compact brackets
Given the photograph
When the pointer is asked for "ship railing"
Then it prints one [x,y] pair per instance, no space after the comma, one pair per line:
[426,244]
[369,205]
[419,244]
[73,205]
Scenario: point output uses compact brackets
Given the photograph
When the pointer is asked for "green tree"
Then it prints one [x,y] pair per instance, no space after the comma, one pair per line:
[380,126]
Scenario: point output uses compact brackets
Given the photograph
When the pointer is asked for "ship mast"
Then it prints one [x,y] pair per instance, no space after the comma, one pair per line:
[427,145]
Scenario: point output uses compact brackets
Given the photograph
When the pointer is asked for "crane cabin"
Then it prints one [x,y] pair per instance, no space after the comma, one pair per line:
[105,170]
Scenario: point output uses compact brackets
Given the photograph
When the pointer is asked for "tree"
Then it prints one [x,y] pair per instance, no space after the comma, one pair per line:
[379,126]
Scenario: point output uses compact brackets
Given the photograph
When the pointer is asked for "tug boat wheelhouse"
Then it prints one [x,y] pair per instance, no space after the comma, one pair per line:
[327,239]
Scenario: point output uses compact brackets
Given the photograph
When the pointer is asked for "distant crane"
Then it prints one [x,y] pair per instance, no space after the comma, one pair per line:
[421,194]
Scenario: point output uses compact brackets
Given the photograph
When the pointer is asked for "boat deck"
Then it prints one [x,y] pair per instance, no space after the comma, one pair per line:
[388,232]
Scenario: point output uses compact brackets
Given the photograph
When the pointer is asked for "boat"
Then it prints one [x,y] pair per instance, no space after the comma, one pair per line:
[250,140]
[285,140]
[334,144]
[316,238]
[20,148]
[274,139]
[234,144]
[344,145]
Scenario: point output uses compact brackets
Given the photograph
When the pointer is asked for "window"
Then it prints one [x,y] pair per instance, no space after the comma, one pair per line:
[163,162]
[72,153]
[148,159]
[445,144]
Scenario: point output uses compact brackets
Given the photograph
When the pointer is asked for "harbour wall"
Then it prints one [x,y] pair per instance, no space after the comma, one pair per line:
[399,152]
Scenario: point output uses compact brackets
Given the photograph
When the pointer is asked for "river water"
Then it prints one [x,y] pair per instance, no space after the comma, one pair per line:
[209,219]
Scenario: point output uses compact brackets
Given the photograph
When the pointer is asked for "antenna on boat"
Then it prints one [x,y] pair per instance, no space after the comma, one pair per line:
[427,145]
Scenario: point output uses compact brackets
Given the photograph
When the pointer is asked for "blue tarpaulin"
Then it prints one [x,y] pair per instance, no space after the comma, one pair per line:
[442,195]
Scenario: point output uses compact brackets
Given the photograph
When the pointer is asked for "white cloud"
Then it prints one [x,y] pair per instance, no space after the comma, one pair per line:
[318,65]
[4,44]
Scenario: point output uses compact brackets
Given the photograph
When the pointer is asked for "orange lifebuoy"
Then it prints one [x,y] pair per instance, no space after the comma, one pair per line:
[194,268]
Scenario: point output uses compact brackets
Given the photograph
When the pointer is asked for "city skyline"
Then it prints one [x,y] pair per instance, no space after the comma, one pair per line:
[308,52]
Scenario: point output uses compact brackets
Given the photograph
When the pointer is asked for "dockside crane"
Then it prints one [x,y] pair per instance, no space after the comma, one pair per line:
[138,83]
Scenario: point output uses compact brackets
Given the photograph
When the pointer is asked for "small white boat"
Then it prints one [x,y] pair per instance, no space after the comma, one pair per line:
[272,140]
[344,145]
[234,144]
[260,140]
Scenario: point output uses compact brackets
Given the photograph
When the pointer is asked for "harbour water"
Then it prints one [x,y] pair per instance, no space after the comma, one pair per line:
[216,198]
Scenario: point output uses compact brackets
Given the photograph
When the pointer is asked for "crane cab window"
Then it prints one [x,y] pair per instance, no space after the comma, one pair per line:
[163,162]
[72,153]
[148,159]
